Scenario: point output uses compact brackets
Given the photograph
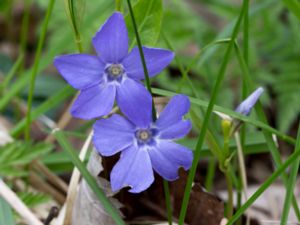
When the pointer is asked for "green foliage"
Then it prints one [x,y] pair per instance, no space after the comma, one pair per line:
[16,155]
[6,214]
[148,15]
[33,199]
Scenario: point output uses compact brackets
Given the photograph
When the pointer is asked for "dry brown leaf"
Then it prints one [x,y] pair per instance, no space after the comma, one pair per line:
[87,208]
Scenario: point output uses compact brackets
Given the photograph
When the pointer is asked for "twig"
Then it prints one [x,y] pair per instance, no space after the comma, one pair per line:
[13,200]
[39,184]
[53,179]
[63,121]
[242,169]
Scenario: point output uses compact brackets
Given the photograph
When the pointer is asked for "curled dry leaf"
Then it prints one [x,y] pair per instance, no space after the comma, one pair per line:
[87,208]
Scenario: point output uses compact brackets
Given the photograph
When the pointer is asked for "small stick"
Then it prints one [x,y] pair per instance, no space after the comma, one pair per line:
[52,214]
[40,184]
[53,179]
[13,200]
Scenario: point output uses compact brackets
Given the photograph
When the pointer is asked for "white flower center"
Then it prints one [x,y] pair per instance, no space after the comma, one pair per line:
[115,70]
[143,135]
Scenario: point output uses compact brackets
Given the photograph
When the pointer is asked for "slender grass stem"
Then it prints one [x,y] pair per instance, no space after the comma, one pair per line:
[216,88]
[25,26]
[233,114]
[36,65]
[148,85]
[210,174]
[11,73]
[118,5]
[268,136]
[291,184]
[291,159]
[74,22]
[241,139]
[109,208]
[229,207]
[242,169]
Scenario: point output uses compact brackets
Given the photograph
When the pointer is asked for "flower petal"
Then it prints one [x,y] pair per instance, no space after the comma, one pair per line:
[111,41]
[246,106]
[113,135]
[175,131]
[94,102]
[80,70]
[133,169]
[156,60]
[177,107]
[135,102]
[168,156]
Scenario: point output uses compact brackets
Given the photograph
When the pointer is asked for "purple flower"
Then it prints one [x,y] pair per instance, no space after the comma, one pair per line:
[246,106]
[113,73]
[145,145]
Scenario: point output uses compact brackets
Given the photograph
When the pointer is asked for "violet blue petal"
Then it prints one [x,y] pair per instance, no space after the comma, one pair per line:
[168,156]
[133,169]
[135,102]
[176,130]
[80,70]
[111,41]
[246,106]
[112,135]
[94,102]
[156,60]
[177,107]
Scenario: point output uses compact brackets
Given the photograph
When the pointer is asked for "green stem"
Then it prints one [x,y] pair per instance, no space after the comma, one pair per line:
[36,65]
[109,208]
[264,186]
[71,8]
[210,173]
[291,184]
[262,117]
[229,208]
[148,85]
[168,201]
[11,73]
[197,152]
[25,26]
[118,5]
[233,114]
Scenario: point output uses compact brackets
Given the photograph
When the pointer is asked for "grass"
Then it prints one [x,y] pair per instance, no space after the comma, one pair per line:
[225,57]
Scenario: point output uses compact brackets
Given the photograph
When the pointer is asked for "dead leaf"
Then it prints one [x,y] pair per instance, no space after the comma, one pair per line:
[87,208]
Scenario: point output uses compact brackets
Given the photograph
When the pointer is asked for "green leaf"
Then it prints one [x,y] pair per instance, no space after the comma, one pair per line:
[148,15]
[6,215]
[16,155]
[293,6]
[33,199]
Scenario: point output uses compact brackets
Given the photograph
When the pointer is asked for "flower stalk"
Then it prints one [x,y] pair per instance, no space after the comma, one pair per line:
[148,85]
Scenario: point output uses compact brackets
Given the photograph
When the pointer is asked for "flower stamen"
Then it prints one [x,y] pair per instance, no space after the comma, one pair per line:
[115,70]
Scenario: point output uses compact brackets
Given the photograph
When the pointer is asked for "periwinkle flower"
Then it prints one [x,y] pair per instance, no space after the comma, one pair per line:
[246,106]
[145,145]
[112,74]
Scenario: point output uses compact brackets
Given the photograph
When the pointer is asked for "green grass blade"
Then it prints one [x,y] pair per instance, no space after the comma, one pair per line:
[264,186]
[51,102]
[293,6]
[6,214]
[109,208]
[208,113]
[291,184]
[36,65]
[148,85]
[231,113]
[262,117]
[11,73]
